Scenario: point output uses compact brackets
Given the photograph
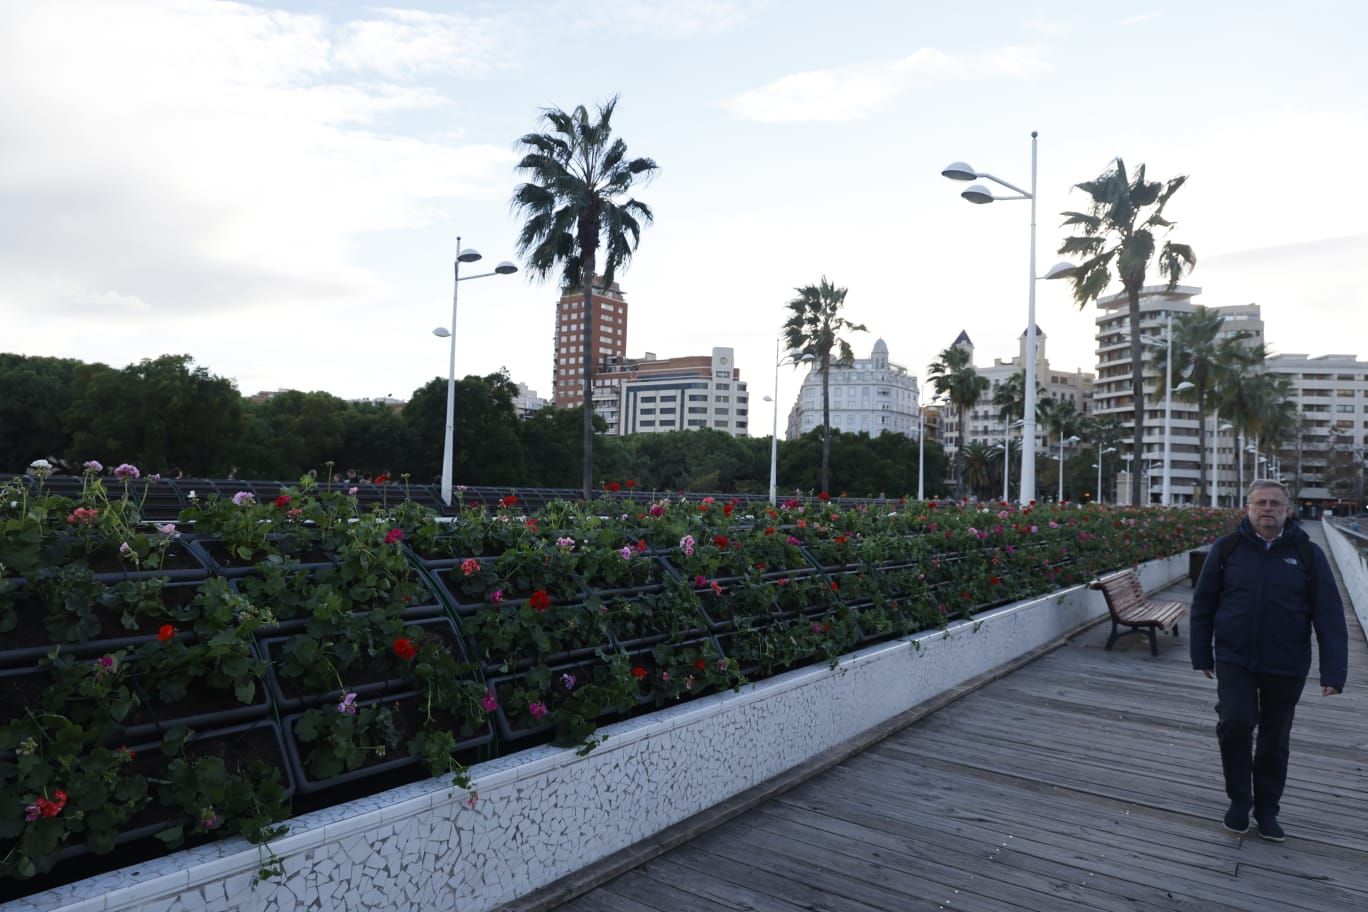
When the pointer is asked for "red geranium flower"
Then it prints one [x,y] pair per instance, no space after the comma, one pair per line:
[700,664]
[720,541]
[508,501]
[283,501]
[638,672]
[539,600]
[631,482]
[165,632]
[727,509]
[613,486]
[394,535]
[824,496]
[381,479]
[403,647]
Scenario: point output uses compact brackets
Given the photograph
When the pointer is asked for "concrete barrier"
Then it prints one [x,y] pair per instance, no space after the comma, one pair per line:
[1352,562]
[547,812]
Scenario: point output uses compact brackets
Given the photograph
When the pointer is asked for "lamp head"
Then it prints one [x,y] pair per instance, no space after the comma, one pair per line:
[977,193]
[1185,385]
[469,255]
[1061,271]
[505,268]
[441,332]
[959,171]
[1073,439]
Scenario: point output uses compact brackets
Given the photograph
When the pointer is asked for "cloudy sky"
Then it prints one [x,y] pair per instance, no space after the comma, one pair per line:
[276,188]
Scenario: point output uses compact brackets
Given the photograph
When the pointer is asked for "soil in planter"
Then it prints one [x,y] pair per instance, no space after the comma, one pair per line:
[32,630]
[397,768]
[177,557]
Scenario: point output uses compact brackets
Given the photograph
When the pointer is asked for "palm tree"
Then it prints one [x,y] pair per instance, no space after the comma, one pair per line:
[1118,232]
[1242,394]
[954,377]
[1063,420]
[978,458]
[814,329]
[575,199]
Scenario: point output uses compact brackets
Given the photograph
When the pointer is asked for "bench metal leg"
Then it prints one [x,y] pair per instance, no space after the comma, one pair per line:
[1154,642]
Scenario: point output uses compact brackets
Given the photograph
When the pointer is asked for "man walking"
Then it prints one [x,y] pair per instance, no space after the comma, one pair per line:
[1262,591]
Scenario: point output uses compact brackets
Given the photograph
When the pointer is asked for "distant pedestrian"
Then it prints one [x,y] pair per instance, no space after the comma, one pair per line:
[1259,600]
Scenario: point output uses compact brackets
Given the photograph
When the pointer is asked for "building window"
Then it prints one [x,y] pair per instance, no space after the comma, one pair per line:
[696,422]
[698,410]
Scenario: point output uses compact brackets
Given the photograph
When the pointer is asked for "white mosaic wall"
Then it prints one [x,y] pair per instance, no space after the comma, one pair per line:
[545,813]
[1353,570]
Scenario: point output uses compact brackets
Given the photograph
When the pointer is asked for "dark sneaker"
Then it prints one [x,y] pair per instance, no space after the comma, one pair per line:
[1237,819]
[1268,828]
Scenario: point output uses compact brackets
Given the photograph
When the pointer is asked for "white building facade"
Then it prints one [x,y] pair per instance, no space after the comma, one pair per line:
[872,396]
[676,394]
[1113,396]
[1323,463]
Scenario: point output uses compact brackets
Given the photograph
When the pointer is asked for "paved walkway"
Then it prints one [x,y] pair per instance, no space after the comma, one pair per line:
[1087,780]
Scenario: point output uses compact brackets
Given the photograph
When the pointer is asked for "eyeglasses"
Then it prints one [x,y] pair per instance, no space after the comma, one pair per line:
[1268,503]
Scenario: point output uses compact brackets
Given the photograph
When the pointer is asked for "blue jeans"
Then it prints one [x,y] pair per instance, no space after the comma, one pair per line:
[1246,700]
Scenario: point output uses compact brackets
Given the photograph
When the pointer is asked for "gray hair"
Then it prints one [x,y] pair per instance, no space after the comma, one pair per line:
[1258,483]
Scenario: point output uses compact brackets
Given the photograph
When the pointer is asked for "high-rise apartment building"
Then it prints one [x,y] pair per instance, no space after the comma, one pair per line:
[1113,395]
[1323,460]
[609,339]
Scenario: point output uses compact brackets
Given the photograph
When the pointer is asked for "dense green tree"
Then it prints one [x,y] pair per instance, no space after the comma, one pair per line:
[159,414]
[814,328]
[35,394]
[574,201]
[1117,238]
[953,376]
[487,448]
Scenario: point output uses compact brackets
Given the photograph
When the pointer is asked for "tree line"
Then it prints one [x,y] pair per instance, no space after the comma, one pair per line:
[170,416]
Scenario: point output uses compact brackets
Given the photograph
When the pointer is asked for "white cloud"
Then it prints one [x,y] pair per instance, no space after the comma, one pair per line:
[854,92]
[399,44]
[1143,17]
[673,19]
[167,146]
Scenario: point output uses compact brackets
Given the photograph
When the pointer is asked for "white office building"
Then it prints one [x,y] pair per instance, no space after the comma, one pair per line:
[873,396]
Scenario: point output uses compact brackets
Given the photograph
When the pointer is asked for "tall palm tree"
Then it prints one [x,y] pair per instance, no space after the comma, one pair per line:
[1062,420]
[1118,233]
[814,328]
[1242,394]
[1200,355]
[955,378]
[575,200]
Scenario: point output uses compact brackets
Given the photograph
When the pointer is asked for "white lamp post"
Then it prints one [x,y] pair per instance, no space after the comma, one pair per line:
[1007,455]
[1216,459]
[1169,389]
[442,332]
[793,357]
[977,193]
[1071,440]
[1100,453]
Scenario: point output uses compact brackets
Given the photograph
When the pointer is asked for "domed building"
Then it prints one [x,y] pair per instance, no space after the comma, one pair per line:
[871,395]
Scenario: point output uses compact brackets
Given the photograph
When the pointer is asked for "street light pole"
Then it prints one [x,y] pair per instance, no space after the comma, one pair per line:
[977,193]
[449,441]
[1072,439]
[1168,410]
[921,452]
[1100,453]
[793,357]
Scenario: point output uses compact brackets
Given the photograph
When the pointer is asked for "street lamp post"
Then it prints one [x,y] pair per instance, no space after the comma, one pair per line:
[977,193]
[449,443]
[1216,459]
[1100,453]
[1071,440]
[1007,455]
[793,357]
[1169,389]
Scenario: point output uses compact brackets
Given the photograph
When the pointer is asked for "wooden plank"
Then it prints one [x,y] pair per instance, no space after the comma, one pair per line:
[1088,780]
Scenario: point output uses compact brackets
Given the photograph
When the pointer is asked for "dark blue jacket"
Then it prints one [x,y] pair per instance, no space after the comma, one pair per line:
[1260,616]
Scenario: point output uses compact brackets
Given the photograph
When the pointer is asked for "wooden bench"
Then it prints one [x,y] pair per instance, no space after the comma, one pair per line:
[1129,607]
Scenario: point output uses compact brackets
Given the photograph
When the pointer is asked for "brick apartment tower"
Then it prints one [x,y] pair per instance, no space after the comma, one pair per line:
[609,343]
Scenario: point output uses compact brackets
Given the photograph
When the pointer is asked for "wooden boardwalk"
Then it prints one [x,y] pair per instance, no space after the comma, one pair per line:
[1085,780]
